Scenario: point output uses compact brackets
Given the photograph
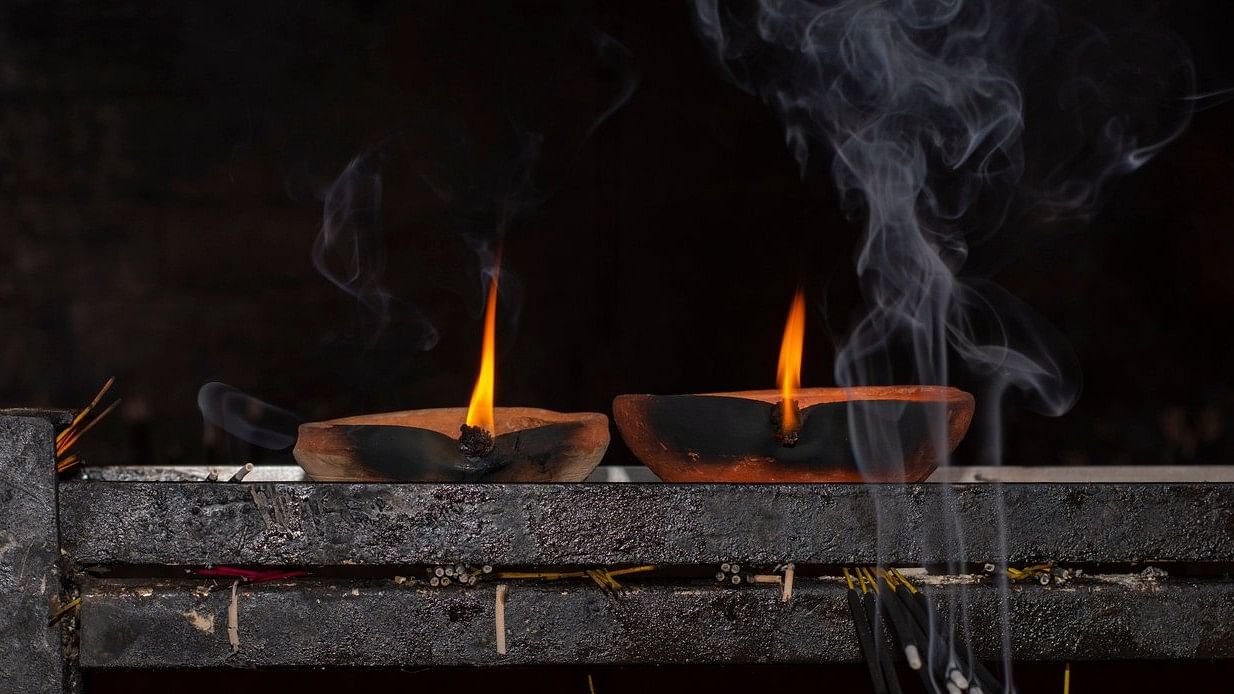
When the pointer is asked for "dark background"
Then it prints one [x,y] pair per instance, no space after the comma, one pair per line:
[162,167]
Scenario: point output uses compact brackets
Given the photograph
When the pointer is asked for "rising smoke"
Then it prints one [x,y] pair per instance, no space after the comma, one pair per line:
[486,182]
[924,109]
[350,250]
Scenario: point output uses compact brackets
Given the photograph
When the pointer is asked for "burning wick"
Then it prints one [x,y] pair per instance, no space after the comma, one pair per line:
[786,415]
[476,438]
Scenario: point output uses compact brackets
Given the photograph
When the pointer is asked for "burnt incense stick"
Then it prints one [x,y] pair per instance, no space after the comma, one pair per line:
[878,629]
[241,473]
[865,636]
[919,607]
[913,639]
[878,607]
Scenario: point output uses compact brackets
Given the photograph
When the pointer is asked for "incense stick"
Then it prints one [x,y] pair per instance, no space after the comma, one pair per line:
[876,605]
[557,575]
[787,593]
[233,619]
[76,435]
[918,607]
[72,605]
[241,473]
[86,410]
[502,590]
[865,636]
[70,435]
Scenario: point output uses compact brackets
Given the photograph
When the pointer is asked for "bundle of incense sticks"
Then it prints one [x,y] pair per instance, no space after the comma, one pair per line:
[66,439]
[942,661]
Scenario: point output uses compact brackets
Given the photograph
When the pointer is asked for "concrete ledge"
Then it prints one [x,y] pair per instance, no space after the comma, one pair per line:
[193,524]
[135,624]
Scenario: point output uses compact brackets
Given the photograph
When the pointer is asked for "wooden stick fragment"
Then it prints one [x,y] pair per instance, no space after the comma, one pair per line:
[787,592]
[72,605]
[502,591]
[543,575]
[557,575]
[631,570]
[603,578]
[233,619]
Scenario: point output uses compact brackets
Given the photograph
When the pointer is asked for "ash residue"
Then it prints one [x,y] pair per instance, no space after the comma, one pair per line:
[474,442]
[786,437]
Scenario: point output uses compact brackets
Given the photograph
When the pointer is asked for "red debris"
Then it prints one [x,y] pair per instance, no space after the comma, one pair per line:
[248,575]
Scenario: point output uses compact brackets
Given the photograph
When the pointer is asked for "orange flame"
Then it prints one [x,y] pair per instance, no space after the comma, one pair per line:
[480,411]
[788,373]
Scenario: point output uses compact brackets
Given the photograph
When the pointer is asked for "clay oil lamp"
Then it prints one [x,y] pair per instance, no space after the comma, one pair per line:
[479,443]
[794,434]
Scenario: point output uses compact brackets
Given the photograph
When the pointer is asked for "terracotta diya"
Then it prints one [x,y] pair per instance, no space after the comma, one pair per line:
[794,434]
[479,443]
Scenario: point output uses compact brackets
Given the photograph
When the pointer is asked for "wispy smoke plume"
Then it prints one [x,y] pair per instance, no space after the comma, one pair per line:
[247,418]
[923,108]
[464,179]
[488,179]
[350,248]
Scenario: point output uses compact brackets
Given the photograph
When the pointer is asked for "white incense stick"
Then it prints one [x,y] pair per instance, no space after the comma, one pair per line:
[787,592]
[233,619]
[502,590]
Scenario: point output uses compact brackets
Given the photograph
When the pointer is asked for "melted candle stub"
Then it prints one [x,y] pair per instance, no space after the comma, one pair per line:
[474,442]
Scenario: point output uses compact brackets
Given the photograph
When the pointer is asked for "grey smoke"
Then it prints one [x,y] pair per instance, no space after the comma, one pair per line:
[350,249]
[248,418]
[487,189]
[920,106]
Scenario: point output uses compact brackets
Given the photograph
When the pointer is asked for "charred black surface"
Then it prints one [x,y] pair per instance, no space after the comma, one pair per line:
[786,437]
[412,454]
[474,442]
[720,427]
[195,523]
[31,657]
[134,624]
